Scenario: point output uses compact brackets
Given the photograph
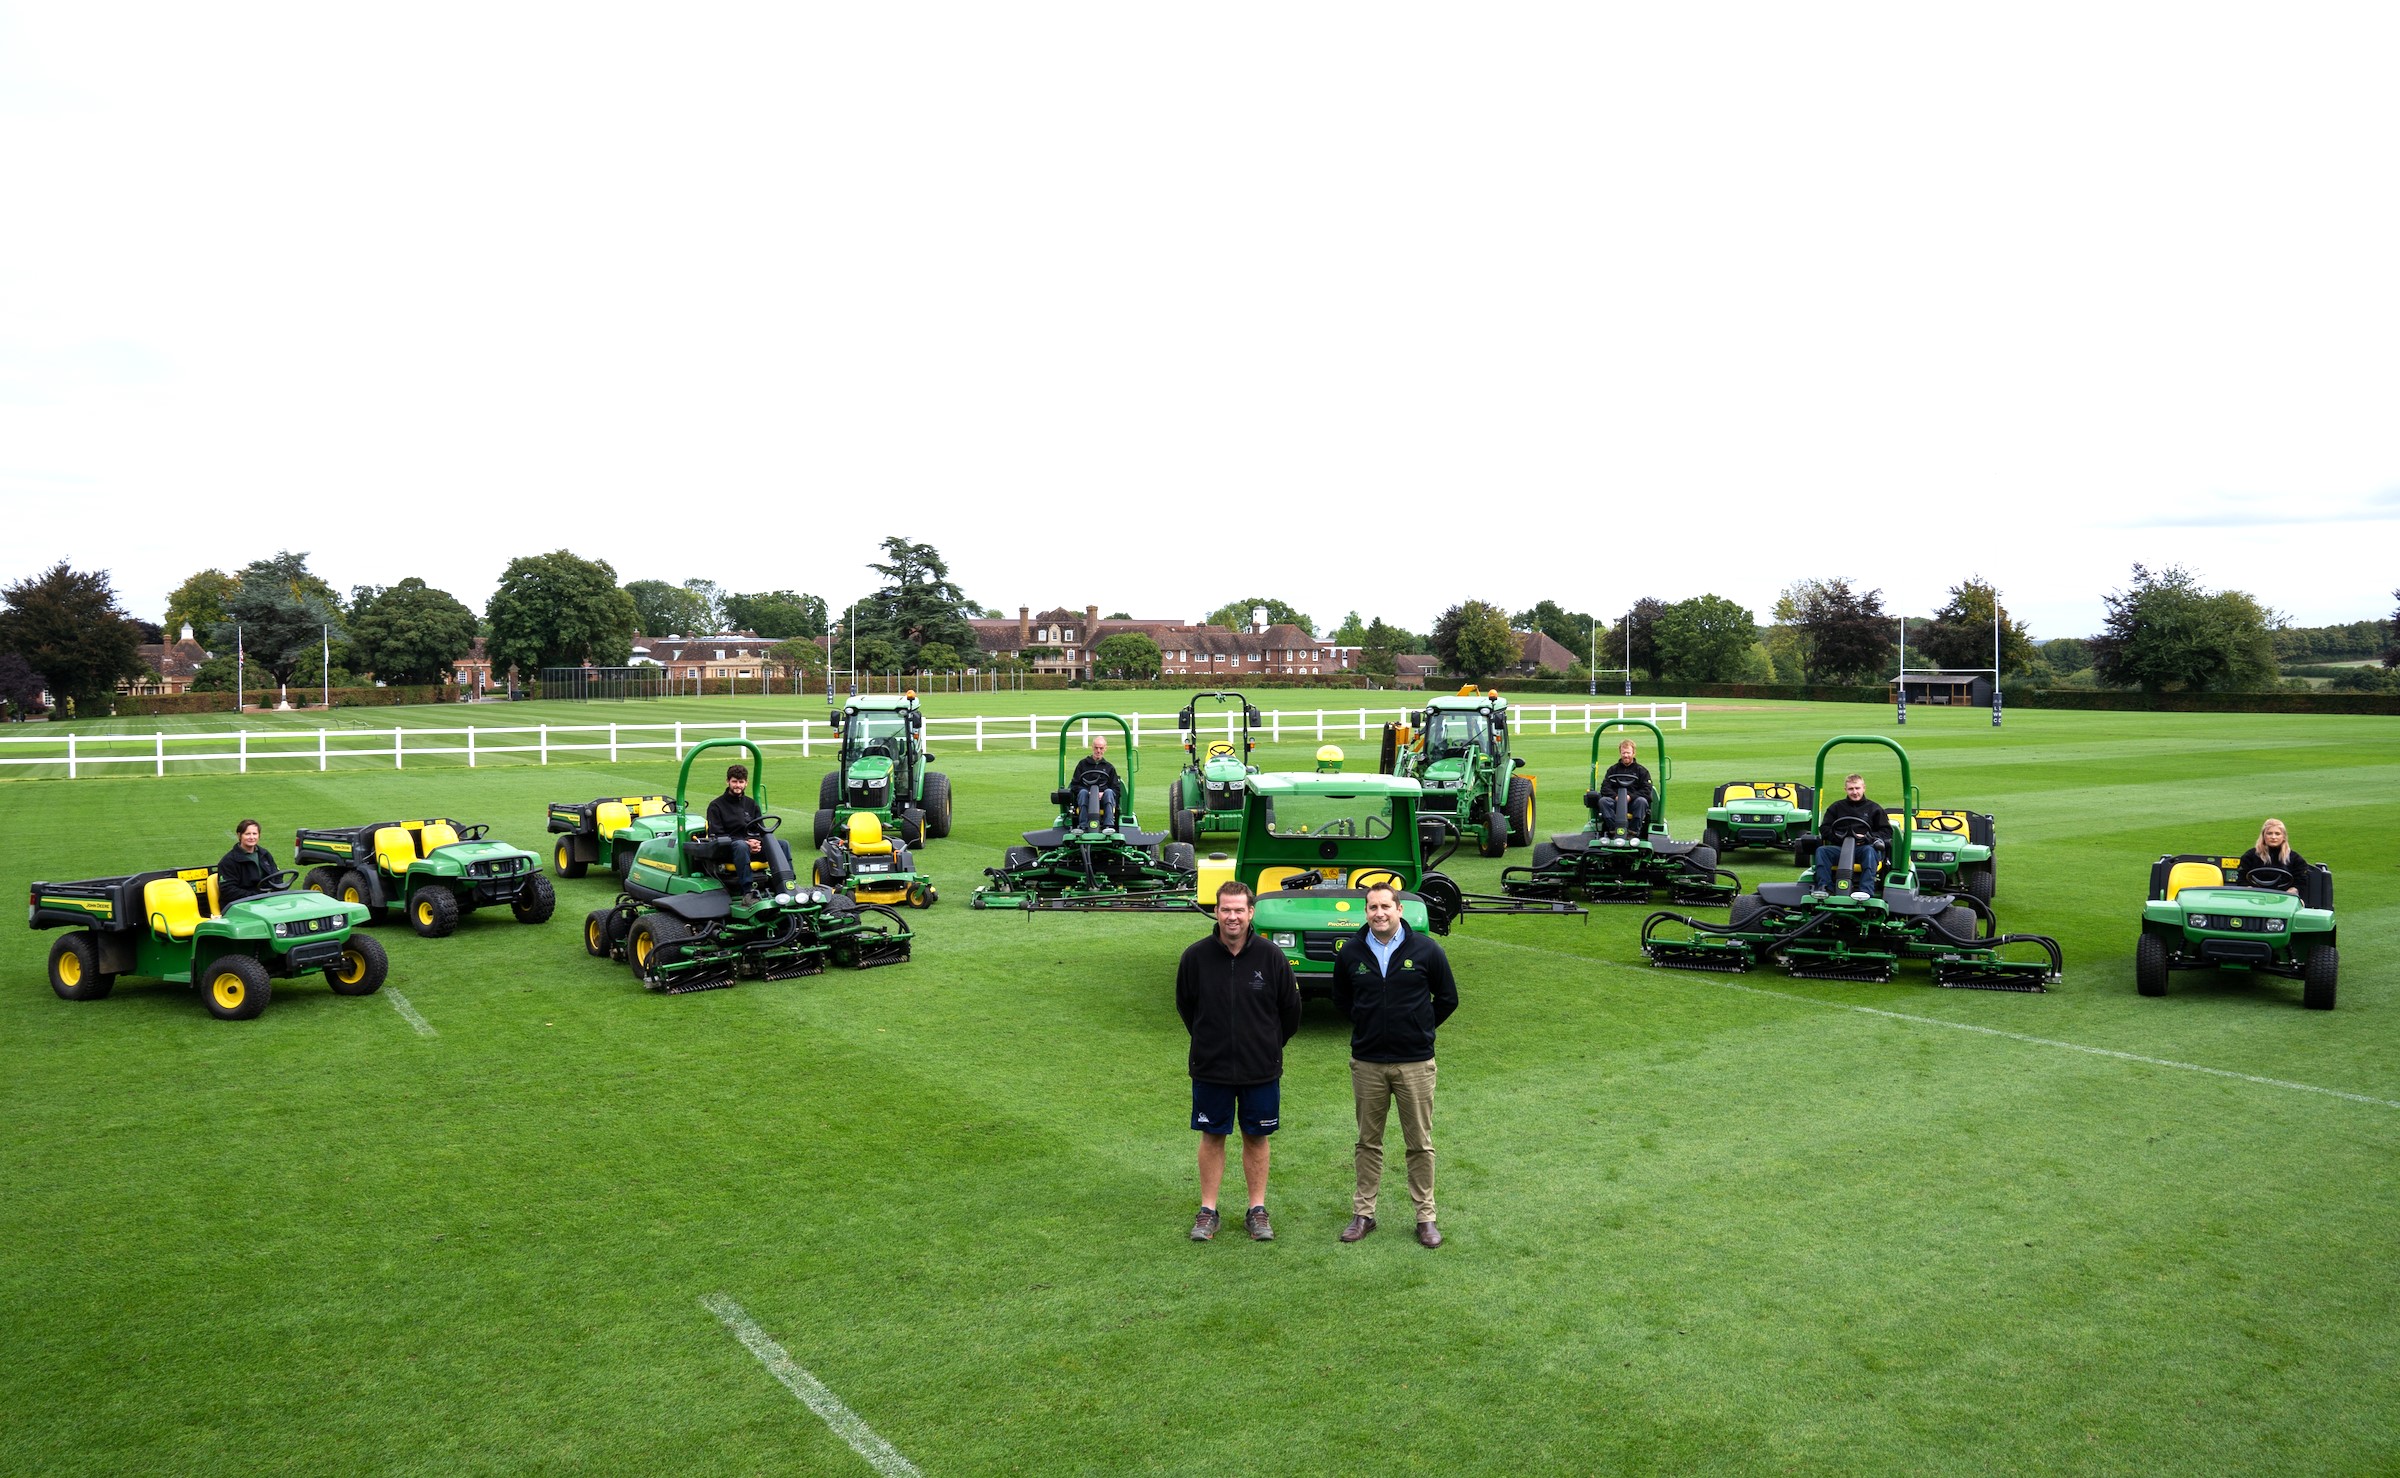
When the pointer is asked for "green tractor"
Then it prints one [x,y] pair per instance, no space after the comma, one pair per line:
[610,829]
[1312,843]
[2200,917]
[883,771]
[869,864]
[1589,865]
[1863,933]
[167,925]
[434,871]
[682,928]
[1068,865]
[1457,749]
[1206,796]
[1770,815]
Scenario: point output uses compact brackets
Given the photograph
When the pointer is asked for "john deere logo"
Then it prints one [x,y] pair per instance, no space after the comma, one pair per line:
[1408,964]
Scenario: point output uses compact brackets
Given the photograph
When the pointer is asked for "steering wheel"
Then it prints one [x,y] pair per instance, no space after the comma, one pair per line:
[1618,782]
[1850,828]
[1299,880]
[2269,877]
[1219,749]
[278,882]
[768,822]
[1947,823]
[475,833]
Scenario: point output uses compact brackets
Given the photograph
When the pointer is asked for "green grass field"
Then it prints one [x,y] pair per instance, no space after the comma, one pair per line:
[1695,1222]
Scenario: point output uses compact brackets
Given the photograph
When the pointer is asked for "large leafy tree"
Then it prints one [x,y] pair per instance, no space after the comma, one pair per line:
[661,609]
[1236,614]
[21,687]
[285,615]
[199,602]
[1961,632]
[918,603]
[1706,639]
[776,614]
[67,625]
[1845,634]
[1352,632]
[1379,647]
[2391,654]
[2167,631]
[1642,621]
[800,659]
[410,633]
[1473,639]
[558,610]
[1570,629]
[1127,654]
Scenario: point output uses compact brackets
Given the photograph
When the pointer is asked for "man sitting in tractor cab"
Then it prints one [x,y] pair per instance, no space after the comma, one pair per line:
[1094,786]
[1626,796]
[247,870]
[736,837]
[1862,816]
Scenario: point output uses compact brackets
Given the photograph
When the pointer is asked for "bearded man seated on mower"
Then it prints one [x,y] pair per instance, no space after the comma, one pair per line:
[1094,787]
[1865,817]
[1626,796]
[735,836]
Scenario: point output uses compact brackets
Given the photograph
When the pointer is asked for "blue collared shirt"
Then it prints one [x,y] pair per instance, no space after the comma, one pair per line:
[1382,951]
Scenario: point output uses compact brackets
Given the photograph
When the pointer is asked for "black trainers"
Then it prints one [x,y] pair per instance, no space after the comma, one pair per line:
[1204,1226]
[1261,1230]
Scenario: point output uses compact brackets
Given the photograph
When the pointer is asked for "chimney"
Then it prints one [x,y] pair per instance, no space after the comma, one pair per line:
[1091,623]
[1258,620]
[1024,627]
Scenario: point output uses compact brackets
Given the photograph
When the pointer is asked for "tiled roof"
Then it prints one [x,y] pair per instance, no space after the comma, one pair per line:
[1539,649]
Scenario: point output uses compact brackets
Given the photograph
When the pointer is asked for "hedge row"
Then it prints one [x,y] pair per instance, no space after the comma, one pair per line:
[151,705]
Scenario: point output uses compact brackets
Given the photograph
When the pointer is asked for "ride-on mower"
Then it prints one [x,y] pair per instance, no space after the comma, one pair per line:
[435,871]
[1071,866]
[883,771]
[1457,749]
[1771,815]
[2200,918]
[610,830]
[167,925]
[1205,797]
[865,862]
[1591,865]
[1858,931]
[682,929]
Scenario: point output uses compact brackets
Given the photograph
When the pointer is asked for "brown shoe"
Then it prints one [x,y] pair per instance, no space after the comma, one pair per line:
[1428,1234]
[1204,1226]
[1261,1229]
[1359,1227]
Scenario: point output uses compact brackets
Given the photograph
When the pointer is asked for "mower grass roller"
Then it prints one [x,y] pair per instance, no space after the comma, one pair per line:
[1861,934]
[865,862]
[435,871]
[2204,915]
[610,829]
[1762,815]
[1100,868]
[681,929]
[1457,749]
[883,771]
[1205,797]
[167,925]
[1312,844]
[1591,865]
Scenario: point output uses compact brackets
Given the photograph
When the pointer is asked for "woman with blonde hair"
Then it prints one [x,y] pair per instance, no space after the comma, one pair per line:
[2274,851]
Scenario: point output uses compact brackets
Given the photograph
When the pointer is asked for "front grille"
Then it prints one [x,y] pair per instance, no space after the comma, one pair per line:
[1322,944]
[2237,951]
[867,795]
[315,955]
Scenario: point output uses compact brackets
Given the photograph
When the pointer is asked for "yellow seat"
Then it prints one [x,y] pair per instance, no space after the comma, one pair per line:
[1219,749]
[650,805]
[1271,879]
[1760,790]
[173,908]
[611,817]
[439,834]
[2193,875]
[395,851]
[1376,877]
[866,835]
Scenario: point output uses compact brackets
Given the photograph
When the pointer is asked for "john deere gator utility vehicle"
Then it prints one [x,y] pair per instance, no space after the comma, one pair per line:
[1457,749]
[1067,865]
[1205,798]
[866,862]
[2204,915]
[1862,933]
[681,929]
[167,925]
[1954,851]
[883,772]
[434,871]
[607,830]
[1312,843]
[1768,815]
[1585,864]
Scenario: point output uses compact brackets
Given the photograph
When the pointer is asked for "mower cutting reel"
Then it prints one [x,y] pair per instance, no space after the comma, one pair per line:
[1598,868]
[1068,865]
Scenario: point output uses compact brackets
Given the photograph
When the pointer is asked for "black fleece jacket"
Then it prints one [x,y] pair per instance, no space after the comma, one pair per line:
[731,815]
[1862,809]
[243,874]
[1392,1017]
[1240,1009]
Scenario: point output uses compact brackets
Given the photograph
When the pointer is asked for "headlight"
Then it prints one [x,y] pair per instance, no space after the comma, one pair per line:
[1286,941]
[1945,856]
[2274,926]
[2199,921]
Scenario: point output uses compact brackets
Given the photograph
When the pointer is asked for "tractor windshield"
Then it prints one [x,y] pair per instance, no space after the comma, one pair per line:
[1331,815]
[1456,733]
[874,732]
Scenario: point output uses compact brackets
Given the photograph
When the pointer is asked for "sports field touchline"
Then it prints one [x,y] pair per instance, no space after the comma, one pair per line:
[846,1424]
[1989,1031]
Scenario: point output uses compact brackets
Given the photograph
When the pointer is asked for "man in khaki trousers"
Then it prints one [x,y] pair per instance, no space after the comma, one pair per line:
[1395,986]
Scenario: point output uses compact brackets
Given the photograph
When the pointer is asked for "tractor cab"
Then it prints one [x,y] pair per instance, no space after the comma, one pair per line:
[883,771]
[1208,795]
[1456,748]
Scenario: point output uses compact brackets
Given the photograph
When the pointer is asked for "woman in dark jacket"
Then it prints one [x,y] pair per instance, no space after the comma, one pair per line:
[2274,850]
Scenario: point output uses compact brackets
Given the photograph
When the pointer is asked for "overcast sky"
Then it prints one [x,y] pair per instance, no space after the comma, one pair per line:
[1367,307]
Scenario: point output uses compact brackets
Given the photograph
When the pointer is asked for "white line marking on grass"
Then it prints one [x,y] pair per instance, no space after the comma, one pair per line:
[407,1012]
[880,1455]
[1968,1026]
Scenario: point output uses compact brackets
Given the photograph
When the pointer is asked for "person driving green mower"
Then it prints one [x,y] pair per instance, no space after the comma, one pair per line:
[737,836]
[1857,819]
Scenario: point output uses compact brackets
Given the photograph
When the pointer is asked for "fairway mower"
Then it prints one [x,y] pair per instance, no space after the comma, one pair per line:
[865,862]
[682,929]
[1865,932]
[610,829]
[1457,749]
[1602,869]
[1068,865]
[883,772]
[167,925]
[1311,845]
[1766,815]
[434,871]
[2199,918]
[1206,796]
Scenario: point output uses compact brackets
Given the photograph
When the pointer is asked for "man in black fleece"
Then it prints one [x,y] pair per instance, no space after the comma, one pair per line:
[737,836]
[243,872]
[1395,987]
[1626,796]
[1094,786]
[1238,1000]
[1853,806]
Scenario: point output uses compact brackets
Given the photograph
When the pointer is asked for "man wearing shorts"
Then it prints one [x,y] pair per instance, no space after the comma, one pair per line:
[1237,998]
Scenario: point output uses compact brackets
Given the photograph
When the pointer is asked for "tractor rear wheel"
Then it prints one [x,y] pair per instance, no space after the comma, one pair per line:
[562,861]
[820,826]
[1981,882]
[2317,977]
[829,791]
[353,887]
[1520,811]
[433,912]
[937,804]
[75,971]
[360,970]
[322,880]
[2150,965]
[234,988]
[535,902]
[650,943]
